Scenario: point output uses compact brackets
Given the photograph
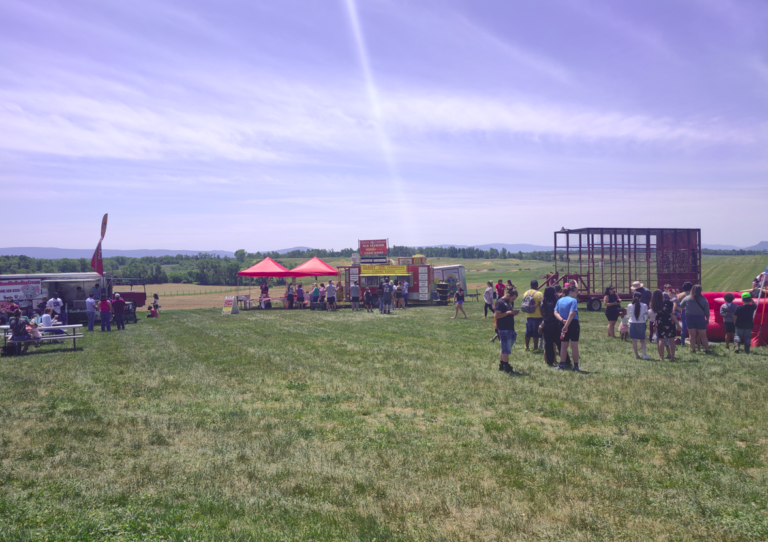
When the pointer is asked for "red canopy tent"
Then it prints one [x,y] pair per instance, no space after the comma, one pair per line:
[313,268]
[265,268]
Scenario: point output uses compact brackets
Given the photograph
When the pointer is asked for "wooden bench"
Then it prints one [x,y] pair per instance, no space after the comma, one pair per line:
[50,337]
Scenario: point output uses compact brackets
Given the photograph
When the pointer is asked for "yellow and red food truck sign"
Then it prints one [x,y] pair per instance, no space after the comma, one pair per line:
[384,270]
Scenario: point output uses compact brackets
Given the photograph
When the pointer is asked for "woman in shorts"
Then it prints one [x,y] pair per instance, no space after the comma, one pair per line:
[696,309]
[458,297]
[612,305]
[399,295]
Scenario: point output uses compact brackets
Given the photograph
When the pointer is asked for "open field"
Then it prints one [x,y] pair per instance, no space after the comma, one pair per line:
[720,273]
[724,273]
[298,425]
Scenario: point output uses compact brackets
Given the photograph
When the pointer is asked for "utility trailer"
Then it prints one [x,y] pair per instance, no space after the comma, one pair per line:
[598,257]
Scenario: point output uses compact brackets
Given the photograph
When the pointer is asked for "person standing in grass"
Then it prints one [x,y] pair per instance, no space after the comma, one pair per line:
[315,293]
[744,320]
[504,315]
[727,310]
[550,326]
[696,309]
[105,313]
[685,292]
[118,307]
[380,296]
[156,302]
[531,306]
[405,293]
[567,312]
[289,295]
[612,305]
[265,288]
[330,293]
[458,298]
[300,295]
[666,324]
[623,324]
[500,289]
[339,294]
[354,293]
[90,311]
[638,316]
[386,291]
[488,298]
[368,298]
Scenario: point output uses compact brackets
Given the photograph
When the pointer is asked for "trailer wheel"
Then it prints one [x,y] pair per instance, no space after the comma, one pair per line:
[594,304]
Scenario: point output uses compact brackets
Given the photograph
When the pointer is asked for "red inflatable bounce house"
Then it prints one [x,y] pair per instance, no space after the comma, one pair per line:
[715,329]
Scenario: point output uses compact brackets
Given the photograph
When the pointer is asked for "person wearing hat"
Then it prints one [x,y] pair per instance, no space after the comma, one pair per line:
[118,309]
[744,319]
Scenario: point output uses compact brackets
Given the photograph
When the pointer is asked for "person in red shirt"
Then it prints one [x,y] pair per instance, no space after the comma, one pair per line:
[118,309]
[152,312]
[500,289]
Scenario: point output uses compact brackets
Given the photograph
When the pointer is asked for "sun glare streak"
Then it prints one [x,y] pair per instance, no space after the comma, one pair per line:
[384,142]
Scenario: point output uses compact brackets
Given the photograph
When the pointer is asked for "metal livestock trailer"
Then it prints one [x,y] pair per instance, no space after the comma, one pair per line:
[598,257]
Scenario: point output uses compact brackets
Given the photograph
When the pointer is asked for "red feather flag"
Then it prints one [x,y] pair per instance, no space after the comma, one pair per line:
[96,261]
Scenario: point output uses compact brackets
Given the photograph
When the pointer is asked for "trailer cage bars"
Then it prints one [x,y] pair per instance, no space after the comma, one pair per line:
[598,257]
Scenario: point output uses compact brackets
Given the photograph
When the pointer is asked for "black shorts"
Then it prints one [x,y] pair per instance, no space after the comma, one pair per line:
[729,327]
[355,300]
[332,299]
[574,330]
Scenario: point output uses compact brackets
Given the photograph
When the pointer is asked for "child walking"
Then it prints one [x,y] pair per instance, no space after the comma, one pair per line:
[727,310]
[624,325]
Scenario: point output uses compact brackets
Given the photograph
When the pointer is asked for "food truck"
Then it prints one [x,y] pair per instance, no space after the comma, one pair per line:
[73,288]
[415,270]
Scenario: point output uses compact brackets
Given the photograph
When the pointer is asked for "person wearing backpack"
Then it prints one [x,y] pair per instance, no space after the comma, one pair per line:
[532,308]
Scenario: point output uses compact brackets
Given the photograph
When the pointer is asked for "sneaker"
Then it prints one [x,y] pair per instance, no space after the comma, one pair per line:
[576,368]
[646,357]
[537,351]
[527,349]
[637,357]
[508,368]
[561,367]
[501,367]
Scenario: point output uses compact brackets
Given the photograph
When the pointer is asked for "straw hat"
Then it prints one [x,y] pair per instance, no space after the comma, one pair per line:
[637,284]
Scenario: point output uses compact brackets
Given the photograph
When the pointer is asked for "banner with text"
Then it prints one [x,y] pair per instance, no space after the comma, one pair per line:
[384,270]
[21,290]
[375,247]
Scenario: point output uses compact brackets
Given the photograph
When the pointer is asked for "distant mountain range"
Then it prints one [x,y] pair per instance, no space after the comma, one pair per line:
[52,253]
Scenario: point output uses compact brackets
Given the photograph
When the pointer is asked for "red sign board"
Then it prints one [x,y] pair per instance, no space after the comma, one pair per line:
[375,247]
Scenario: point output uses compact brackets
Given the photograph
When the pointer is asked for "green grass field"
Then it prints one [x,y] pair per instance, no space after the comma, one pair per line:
[719,273]
[277,425]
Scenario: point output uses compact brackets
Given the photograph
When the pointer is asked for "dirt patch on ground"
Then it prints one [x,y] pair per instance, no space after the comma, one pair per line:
[206,301]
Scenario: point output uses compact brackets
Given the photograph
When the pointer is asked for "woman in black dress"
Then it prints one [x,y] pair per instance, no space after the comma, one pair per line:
[612,305]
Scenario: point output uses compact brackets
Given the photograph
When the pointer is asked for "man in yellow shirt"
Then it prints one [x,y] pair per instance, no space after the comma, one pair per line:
[531,307]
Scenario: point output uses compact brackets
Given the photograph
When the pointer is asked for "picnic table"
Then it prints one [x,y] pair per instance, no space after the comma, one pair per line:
[73,336]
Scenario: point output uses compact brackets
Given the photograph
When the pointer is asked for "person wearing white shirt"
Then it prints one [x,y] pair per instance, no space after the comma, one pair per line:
[488,298]
[56,305]
[638,316]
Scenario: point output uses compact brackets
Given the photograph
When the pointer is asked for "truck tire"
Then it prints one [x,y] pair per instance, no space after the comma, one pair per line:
[594,304]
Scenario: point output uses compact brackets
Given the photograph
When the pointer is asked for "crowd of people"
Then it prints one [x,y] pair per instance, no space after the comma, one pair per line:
[388,295]
[665,317]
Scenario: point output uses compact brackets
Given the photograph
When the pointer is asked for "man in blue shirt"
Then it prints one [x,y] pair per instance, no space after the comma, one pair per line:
[567,312]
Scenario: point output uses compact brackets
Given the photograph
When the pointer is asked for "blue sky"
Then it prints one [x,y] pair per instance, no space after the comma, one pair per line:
[263,125]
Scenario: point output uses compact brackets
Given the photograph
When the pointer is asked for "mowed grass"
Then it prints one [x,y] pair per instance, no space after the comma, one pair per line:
[731,273]
[301,425]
